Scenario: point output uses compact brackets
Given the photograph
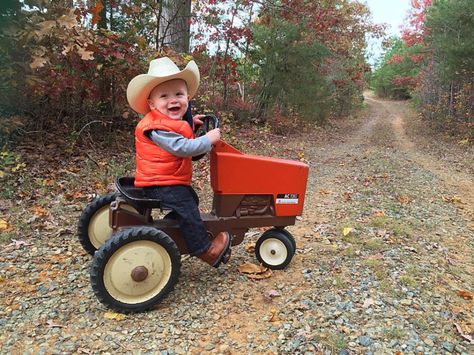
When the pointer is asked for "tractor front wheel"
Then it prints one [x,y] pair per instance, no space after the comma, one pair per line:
[135,269]
[275,249]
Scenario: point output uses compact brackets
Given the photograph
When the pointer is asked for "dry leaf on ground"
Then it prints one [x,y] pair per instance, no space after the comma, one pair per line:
[4,226]
[346,231]
[113,315]
[465,294]
[451,199]
[379,213]
[250,247]
[403,199]
[254,271]
[468,337]
[269,294]
[274,316]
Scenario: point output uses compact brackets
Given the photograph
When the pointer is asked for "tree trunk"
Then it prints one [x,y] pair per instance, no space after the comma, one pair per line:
[175,24]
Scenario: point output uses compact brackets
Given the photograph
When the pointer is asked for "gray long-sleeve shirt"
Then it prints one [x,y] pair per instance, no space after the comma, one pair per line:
[178,145]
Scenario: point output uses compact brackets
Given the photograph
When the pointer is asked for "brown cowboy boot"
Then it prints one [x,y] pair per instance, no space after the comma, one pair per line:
[219,247]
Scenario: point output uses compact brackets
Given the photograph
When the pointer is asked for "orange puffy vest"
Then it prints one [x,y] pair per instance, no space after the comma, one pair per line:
[154,165]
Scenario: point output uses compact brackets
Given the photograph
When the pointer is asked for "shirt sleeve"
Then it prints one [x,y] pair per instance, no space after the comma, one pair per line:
[178,145]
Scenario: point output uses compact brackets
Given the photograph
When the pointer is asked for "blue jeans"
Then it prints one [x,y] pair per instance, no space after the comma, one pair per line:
[183,200]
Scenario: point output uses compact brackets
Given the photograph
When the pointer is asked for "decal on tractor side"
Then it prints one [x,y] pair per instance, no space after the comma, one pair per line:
[287,199]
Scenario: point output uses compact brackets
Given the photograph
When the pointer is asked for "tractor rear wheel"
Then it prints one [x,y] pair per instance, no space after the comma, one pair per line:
[93,227]
[135,269]
[274,249]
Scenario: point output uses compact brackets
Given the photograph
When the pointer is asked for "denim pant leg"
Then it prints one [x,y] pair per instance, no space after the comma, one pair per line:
[182,200]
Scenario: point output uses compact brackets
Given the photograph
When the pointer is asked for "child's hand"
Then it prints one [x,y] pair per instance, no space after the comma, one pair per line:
[214,135]
[197,120]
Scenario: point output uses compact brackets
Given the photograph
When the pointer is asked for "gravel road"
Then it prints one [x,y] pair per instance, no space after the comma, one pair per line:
[385,264]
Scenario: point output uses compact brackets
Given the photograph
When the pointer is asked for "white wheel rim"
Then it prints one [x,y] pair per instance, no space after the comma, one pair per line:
[273,251]
[118,271]
[99,230]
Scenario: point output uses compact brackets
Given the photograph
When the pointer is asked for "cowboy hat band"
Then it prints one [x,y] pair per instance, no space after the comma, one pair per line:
[159,71]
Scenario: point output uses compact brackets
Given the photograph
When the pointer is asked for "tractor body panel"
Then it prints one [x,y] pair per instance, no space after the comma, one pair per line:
[234,173]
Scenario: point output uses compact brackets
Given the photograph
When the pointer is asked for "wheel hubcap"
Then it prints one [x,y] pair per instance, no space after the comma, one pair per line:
[99,229]
[273,251]
[137,271]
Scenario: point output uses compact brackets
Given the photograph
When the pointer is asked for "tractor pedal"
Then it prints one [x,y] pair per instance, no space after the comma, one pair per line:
[224,258]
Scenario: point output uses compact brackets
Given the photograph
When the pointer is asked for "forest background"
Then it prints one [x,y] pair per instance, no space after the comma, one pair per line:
[66,64]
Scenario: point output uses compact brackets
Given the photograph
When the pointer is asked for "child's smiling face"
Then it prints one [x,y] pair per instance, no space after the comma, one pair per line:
[170,98]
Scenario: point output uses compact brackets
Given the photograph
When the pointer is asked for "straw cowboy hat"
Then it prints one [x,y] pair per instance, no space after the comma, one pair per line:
[160,70]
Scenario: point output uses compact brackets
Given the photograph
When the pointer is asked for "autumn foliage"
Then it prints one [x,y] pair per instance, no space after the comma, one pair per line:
[433,63]
[67,64]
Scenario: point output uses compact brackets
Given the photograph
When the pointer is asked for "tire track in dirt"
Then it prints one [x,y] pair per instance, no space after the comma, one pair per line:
[460,183]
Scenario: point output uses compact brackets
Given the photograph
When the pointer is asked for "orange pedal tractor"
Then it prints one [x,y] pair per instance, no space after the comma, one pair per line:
[137,259]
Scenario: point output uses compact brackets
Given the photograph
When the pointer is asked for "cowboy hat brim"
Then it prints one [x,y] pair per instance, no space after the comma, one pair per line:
[140,87]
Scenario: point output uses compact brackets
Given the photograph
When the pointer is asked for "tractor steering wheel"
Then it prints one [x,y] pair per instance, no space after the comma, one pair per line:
[210,121]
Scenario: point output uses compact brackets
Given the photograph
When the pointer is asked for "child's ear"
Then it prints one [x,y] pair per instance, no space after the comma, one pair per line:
[150,103]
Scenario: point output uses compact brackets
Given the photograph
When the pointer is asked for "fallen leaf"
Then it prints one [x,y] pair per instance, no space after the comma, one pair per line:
[250,247]
[40,211]
[264,275]
[368,302]
[274,316]
[468,337]
[254,271]
[403,199]
[465,294]
[379,213]
[381,232]
[323,192]
[51,324]
[347,196]
[451,199]
[115,316]
[347,230]
[250,268]
[4,226]
[463,141]
[18,243]
[271,294]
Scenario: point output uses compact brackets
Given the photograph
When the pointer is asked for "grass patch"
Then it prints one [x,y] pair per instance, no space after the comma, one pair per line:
[398,228]
[374,244]
[414,271]
[409,281]
[332,341]
[349,251]
[394,333]
[339,282]
[377,268]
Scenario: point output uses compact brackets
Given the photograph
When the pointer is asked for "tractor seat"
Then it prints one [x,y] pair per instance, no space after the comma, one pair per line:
[135,195]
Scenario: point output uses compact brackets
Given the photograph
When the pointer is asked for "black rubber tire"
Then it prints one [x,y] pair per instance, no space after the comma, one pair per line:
[88,213]
[122,239]
[284,249]
[289,235]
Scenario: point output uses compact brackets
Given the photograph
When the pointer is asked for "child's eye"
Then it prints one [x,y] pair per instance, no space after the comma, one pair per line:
[163,96]
[180,94]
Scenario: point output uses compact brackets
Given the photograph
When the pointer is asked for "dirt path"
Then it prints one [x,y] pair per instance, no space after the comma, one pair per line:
[385,254]
[459,182]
